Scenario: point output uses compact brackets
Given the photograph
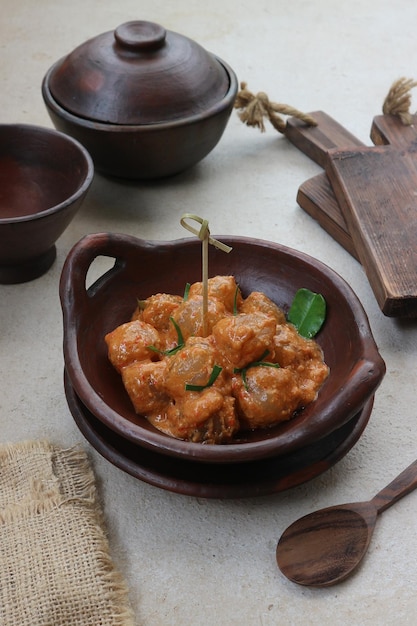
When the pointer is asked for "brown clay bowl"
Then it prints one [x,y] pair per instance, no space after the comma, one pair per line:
[143,268]
[44,177]
[147,103]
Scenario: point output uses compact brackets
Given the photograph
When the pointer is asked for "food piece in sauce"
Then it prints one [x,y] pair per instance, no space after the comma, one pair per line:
[158,390]
[144,381]
[189,316]
[243,338]
[258,302]
[191,365]
[270,395]
[291,349]
[201,417]
[223,288]
[268,371]
[157,310]
[208,415]
[130,342]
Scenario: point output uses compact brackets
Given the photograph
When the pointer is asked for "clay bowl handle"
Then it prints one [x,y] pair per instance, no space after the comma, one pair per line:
[80,307]
[73,290]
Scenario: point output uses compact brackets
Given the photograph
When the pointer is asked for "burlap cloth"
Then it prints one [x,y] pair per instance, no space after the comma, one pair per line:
[55,567]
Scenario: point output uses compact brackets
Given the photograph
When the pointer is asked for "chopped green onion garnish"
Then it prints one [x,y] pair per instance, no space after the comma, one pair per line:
[179,333]
[213,376]
[235,300]
[180,342]
[186,292]
[260,363]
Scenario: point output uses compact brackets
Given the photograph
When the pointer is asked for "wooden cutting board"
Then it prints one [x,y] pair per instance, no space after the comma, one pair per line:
[316,196]
[376,190]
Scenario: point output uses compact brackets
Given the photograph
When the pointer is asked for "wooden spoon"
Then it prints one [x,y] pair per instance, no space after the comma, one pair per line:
[324,547]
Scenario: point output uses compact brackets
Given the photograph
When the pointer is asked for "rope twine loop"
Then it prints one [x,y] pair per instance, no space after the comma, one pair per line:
[255,108]
[398,100]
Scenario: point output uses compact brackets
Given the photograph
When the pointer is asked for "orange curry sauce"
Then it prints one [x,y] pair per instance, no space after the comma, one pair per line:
[268,371]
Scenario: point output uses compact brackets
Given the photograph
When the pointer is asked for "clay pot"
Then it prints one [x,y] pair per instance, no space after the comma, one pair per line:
[143,268]
[44,177]
[146,102]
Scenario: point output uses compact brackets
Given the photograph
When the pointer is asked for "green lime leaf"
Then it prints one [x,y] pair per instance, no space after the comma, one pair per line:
[307,312]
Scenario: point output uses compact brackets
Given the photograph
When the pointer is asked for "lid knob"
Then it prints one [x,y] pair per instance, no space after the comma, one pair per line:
[140,36]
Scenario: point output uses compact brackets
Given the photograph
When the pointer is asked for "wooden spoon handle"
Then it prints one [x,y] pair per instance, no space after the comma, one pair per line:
[399,487]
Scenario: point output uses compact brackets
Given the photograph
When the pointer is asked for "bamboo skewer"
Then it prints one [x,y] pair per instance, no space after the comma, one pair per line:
[204,235]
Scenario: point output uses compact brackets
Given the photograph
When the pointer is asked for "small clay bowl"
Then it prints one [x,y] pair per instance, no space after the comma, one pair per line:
[44,177]
[143,268]
[146,102]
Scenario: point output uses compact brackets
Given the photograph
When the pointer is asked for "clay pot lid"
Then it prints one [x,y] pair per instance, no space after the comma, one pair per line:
[138,74]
